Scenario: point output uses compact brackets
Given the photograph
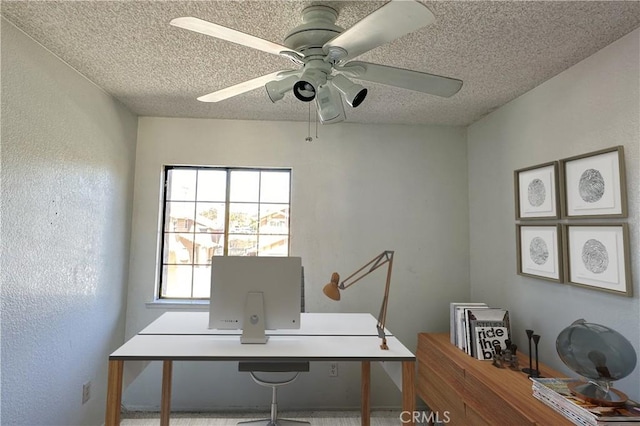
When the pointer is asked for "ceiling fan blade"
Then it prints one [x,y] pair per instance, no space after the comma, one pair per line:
[406,79]
[228,34]
[391,21]
[245,86]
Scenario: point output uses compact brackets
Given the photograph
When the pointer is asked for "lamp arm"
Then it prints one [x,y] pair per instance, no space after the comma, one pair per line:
[378,261]
[382,318]
[383,309]
[386,257]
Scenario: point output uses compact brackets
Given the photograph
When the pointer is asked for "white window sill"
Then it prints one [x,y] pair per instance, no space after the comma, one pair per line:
[192,305]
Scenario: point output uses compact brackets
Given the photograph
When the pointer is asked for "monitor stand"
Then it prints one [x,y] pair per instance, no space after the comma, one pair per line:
[253,323]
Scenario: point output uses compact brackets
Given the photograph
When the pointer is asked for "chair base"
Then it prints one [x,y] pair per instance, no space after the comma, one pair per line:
[279,422]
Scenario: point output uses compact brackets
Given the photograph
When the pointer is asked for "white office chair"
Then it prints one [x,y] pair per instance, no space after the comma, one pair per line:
[294,367]
[271,367]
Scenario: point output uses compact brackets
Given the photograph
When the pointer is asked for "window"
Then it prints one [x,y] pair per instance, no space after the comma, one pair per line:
[214,211]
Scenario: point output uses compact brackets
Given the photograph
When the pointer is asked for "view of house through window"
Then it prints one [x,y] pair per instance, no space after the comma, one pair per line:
[213,211]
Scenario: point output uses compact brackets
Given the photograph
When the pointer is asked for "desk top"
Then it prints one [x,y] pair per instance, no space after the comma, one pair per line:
[311,324]
[278,348]
[322,336]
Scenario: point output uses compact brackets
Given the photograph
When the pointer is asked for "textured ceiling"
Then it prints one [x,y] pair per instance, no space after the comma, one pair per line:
[500,49]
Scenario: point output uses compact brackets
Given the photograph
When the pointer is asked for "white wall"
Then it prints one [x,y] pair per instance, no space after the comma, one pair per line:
[67,178]
[356,191]
[593,105]
[67,167]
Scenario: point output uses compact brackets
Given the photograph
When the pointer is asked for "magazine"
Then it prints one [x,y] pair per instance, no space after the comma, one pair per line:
[465,317]
[454,320]
[570,415]
[486,336]
[486,318]
[462,339]
[555,393]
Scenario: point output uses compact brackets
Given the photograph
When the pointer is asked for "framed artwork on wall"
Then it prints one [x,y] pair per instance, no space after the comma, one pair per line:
[597,257]
[594,184]
[536,192]
[539,252]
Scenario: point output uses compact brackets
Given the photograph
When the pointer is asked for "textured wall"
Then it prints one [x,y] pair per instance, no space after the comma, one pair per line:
[356,191]
[67,179]
[593,105]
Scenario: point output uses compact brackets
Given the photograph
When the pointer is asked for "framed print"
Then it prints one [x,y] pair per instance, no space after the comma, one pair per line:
[598,257]
[536,191]
[539,251]
[594,184]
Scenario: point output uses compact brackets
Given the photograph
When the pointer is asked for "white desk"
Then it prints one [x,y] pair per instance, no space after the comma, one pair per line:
[311,324]
[184,336]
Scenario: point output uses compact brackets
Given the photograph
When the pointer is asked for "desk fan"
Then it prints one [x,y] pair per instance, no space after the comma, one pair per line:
[601,355]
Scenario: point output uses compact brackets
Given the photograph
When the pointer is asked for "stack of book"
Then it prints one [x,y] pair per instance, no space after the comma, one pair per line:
[476,328]
[555,393]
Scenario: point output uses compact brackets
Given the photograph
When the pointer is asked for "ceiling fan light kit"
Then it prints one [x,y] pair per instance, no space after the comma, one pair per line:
[353,93]
[276,89]
[325,52]
[329,105]
[313,76]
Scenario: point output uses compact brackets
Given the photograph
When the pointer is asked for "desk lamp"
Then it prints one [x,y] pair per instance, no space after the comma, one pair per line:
[332,290]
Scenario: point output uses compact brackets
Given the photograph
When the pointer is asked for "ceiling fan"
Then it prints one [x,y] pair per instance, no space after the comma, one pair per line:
[324,52]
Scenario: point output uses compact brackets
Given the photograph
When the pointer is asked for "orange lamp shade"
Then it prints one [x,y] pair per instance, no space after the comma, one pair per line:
[331,290]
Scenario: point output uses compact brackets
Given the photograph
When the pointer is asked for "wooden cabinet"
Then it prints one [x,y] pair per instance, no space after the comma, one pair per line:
[471,392]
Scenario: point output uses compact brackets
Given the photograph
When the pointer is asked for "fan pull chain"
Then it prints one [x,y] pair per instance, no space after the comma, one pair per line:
[309,138]
[316,118]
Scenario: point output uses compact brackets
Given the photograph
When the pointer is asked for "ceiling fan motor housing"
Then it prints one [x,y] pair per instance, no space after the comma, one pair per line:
[318,27]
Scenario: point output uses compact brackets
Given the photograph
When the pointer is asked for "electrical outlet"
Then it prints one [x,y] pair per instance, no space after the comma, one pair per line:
[333,369]
[86,392]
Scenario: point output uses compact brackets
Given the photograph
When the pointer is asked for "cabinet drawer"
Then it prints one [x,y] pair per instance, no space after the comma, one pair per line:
[473,418]
[432,358]
[440,396]
[480,398]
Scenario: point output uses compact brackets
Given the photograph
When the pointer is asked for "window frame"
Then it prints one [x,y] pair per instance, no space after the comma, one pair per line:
[164,202]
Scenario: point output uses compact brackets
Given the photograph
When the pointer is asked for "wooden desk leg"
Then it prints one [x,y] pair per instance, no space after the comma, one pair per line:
[365,391]
[408,388]
[114,392]
[165,404]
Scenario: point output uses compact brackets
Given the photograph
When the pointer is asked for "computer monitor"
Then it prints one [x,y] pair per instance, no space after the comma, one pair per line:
[252,294]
